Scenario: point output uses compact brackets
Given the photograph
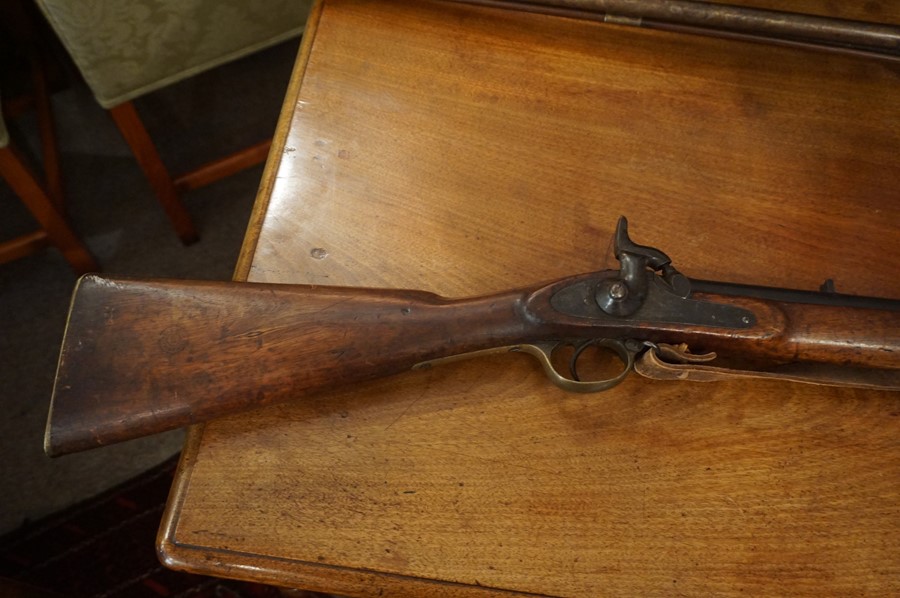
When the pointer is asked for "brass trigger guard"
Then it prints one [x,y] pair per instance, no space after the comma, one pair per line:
[543,352]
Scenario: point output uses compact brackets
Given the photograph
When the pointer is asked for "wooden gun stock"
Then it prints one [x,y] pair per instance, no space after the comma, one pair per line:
[140,357]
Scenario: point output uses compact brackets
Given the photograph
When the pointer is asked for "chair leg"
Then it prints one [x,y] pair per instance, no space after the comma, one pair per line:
[41,206]
[224,167]
[47,127]
[129,123]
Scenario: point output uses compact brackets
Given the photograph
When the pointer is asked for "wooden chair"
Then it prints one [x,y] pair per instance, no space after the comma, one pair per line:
[129,48]
[42,196]
[54,229]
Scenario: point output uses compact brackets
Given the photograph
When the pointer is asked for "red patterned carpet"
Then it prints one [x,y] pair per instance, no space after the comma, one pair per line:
[105,547]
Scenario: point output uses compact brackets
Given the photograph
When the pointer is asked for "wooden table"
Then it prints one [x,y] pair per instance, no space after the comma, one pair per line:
[460,150]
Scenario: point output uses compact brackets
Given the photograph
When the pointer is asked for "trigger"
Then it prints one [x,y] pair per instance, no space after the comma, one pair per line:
[680,353]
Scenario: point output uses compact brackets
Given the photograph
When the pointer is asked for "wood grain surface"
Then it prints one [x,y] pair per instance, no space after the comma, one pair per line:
[466,151]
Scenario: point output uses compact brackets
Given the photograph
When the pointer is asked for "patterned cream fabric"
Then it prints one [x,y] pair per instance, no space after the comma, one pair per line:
[127,48]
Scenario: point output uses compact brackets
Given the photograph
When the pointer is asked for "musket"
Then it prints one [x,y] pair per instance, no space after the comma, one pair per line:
[144,356]
[716,19]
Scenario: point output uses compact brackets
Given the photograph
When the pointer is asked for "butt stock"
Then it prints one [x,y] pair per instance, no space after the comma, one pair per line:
[141,357]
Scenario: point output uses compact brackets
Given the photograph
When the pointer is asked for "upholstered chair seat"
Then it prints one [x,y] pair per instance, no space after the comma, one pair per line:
[128,48]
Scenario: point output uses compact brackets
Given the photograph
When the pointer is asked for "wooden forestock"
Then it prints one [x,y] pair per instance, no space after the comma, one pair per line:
[141,357]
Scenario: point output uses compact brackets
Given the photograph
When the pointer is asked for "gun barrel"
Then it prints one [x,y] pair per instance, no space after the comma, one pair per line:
[724,20]
[831,298]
